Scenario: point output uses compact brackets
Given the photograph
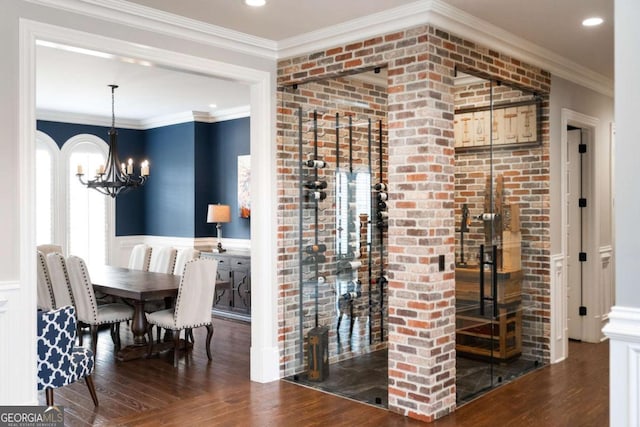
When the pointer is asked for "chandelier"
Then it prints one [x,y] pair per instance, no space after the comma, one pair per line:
[117,177]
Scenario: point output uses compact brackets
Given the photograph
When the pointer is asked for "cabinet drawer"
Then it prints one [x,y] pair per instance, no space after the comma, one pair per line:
[240,262]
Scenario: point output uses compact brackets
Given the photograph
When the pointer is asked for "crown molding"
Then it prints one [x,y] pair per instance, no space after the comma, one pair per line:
[85,119]
[451,19]
[147,18]
[155,122]
[422,12]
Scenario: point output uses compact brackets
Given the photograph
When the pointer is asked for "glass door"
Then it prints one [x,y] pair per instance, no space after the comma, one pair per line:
[498,212]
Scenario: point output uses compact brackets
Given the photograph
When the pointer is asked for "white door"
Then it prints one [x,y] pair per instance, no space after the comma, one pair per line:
[574,237]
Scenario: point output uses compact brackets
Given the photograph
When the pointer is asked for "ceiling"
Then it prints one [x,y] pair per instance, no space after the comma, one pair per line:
[73,82]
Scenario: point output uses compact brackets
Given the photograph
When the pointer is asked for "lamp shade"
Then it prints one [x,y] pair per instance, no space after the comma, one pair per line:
[219,213]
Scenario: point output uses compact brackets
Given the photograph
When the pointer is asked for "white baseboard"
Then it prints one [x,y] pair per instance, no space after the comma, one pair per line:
[623,331]
[124,244]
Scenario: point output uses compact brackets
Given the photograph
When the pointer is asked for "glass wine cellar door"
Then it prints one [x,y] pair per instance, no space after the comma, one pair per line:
[496,161]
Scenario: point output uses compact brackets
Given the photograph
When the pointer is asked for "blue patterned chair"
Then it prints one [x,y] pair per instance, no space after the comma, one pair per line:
[59,363]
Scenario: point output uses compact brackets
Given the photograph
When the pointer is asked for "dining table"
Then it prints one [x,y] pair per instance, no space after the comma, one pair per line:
[139,287]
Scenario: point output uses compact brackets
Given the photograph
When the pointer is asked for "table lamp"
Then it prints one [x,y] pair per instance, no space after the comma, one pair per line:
[219,214]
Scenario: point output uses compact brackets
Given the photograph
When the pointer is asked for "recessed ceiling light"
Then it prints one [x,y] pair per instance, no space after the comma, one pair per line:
[213,106]
[255,3]
[592,22]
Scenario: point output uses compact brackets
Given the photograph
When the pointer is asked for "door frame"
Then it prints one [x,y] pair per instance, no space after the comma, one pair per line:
[559,307]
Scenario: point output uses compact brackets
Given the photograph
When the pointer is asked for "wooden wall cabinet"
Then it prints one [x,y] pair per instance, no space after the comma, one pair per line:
[235,300]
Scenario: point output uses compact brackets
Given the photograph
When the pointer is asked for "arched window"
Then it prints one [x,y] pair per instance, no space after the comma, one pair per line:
[88,214]
[47,154]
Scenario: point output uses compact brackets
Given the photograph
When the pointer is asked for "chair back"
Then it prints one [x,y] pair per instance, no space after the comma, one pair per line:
[184,255]
[60,279]
[86,306]
[46,297]
[140,257]
[49,248]
[195,295]
[56,337]
[163,260]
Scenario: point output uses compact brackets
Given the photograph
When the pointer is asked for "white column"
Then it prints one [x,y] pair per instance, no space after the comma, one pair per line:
[624,321]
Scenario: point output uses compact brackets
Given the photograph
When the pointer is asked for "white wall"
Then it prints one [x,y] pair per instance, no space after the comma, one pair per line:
[565,94]
[17,270]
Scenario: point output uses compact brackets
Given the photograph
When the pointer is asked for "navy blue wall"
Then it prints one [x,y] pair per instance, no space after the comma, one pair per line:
[169,195]
[130,207]
[217,175]
[191,166]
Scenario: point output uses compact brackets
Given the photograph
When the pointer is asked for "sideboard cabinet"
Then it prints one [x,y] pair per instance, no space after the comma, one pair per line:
[233,301]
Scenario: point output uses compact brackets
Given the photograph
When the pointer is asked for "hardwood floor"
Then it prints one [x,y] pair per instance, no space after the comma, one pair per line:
[150,392]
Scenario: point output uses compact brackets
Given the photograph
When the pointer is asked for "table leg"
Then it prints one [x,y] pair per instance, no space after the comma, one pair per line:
[139,324]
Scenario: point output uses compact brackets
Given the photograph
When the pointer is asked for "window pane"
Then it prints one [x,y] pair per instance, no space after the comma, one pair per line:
[44,195]
[87,209]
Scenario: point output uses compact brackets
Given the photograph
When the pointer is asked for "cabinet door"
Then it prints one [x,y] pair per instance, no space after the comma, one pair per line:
[223,299]
[242,288]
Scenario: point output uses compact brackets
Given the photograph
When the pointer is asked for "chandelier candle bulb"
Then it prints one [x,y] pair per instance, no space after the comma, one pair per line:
[144,169]
[79,170]
[130,167]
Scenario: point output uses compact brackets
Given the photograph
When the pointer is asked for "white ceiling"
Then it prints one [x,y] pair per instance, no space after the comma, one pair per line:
[76,83]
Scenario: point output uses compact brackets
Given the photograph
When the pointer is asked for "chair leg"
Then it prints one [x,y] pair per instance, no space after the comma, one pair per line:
[150,340]
[176,347]
[209,336]
[79,333]
[49,394]
[158,333]
[94,340]
[92,389]
[118,344]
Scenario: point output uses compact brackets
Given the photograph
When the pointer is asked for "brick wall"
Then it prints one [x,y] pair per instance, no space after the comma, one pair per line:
[421,306]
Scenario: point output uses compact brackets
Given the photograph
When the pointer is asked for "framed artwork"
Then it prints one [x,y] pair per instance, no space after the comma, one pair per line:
[244,186]
[509,124]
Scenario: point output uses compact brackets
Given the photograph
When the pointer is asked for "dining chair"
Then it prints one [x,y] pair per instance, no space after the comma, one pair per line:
[46,298]
[49,248]
[163,260]
[89,311]
[193,305]
[60,280]
[184,255]
[59,362]
[140,257]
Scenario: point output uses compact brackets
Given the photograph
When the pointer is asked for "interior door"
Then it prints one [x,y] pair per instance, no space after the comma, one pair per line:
[574,236]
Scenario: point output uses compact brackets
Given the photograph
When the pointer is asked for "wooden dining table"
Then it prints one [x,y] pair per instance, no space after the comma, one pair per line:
[138,287]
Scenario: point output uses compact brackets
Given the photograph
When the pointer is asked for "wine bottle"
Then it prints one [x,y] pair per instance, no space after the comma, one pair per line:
[314,249]
[319,164]
[315,195]
[382,205]
[316,185]
[317,258]
[382,215]
[383,196]
[381,224]
[381,186]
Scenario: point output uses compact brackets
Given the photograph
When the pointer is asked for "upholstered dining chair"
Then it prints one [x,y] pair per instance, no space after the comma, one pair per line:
[193,305]
[163,260]
[89,311]
[46,298]
[140,257]
[49,248]
[184,255]
[60,280]
[59,362]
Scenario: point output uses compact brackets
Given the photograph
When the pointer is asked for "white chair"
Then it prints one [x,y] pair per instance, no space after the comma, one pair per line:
[184,256]
[46,297]
[193,305]
[88,311]
[60,280]
[49,248]
[163,260]
[140,257]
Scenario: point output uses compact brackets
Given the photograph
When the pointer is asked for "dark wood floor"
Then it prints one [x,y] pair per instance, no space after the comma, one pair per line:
[218,393]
